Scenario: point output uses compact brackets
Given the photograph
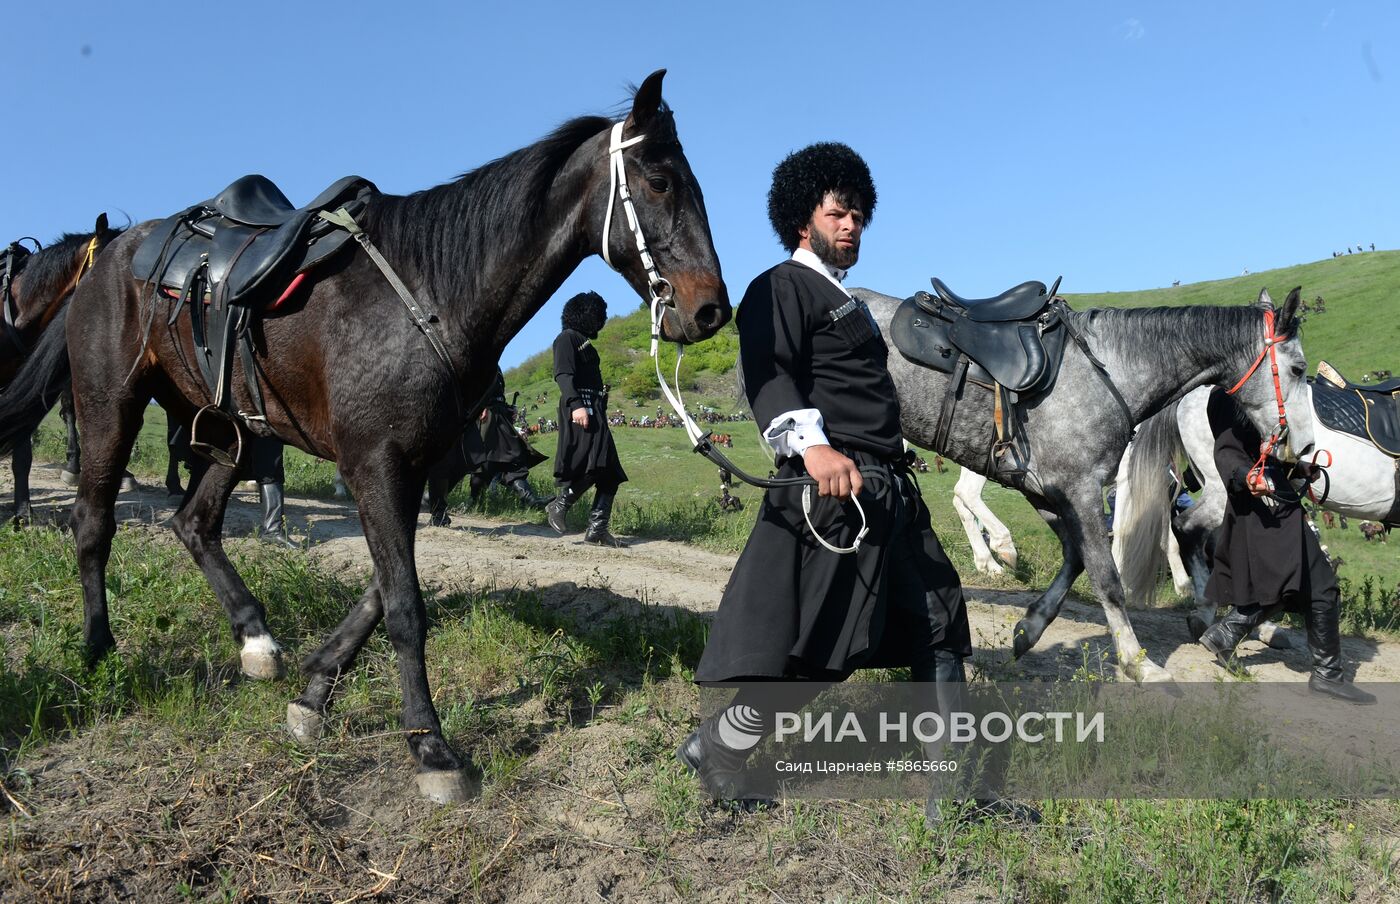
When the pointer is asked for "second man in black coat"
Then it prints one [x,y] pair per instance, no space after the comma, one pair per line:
[586,456]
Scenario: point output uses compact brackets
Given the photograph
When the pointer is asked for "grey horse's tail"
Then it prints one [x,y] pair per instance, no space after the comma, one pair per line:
[1143,526]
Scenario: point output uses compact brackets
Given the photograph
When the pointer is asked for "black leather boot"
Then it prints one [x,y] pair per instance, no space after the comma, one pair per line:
[274,529]
[1222,637]
[950,674]
[1323,619]
[718,767]
[559,508]
[477,484]
[598,518]
[522,488]
[437,491]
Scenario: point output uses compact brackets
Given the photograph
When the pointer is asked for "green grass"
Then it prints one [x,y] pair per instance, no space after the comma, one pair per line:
[559,717]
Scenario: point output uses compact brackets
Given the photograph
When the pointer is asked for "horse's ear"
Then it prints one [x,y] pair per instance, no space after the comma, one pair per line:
[101,226]
[646,103]
[1264,300]
[1289,315]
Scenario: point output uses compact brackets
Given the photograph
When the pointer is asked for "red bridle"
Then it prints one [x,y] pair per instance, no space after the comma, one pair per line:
[1271,341]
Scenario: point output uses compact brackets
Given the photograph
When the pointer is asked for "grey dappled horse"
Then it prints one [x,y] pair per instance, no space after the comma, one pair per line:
[1360,483]
[1076,432]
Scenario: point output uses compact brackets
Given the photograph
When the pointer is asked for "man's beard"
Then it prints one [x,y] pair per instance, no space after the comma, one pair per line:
[832,255]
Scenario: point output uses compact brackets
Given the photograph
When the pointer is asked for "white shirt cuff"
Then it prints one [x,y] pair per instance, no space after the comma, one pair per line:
[794,432]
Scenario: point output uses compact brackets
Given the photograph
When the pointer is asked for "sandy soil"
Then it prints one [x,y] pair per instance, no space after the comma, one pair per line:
[477,552]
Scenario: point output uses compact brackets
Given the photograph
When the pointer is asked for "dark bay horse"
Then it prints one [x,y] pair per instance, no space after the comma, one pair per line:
[38,286]
[1076,432]
[346,375]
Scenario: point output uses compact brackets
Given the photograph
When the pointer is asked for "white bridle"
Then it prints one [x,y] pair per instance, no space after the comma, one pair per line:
[662,297]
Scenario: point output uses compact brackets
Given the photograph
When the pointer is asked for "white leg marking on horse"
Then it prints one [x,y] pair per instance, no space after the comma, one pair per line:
[303,723]
[262,658]
[444,786]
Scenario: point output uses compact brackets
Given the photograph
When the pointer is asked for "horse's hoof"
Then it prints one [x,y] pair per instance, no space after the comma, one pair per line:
[129,484]
[1145,671]
[444,786]
[1021,640]
[990,568]
[1272,635]
[1196,626]
[68,478]
[304,724]
[262,659]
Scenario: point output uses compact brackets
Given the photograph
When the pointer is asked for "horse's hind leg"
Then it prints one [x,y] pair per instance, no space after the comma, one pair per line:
[200,525]
[21,461]
[177,449]
[111,428]
[306,714]
[1085,528]
[73,465]
[970,485]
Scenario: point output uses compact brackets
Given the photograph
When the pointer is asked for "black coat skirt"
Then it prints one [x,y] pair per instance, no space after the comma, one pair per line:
[494,440]
[794,609]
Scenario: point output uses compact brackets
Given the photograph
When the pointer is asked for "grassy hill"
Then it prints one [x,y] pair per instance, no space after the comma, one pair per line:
[1358,332]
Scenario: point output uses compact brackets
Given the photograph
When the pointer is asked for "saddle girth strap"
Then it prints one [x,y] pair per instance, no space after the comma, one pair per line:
[950,404]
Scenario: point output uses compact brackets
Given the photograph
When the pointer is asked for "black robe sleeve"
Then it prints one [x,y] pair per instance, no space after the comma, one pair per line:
[565,366]
[1232,459]
[773,347]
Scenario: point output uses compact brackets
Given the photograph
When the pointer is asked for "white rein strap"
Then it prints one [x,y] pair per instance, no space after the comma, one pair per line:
[661,298]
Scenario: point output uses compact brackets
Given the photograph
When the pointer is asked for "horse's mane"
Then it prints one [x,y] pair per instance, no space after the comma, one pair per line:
[452,233]
[49,268]
[1176,332]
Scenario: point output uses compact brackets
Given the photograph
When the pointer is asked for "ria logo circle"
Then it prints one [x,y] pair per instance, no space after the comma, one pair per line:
[741,727]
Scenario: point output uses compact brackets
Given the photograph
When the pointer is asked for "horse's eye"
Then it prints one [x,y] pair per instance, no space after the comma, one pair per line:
[659,184]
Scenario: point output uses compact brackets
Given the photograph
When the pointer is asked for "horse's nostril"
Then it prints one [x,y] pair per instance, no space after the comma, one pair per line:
[710,316]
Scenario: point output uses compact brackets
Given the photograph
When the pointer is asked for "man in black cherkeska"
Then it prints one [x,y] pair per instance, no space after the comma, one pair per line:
[586,455]
[813,366]
[495,450]
[1267,558]
[491,449]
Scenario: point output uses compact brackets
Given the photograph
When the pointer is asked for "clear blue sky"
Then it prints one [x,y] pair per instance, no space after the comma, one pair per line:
[1124,145]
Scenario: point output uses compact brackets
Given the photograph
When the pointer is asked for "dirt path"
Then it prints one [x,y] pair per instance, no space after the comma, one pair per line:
[479,552]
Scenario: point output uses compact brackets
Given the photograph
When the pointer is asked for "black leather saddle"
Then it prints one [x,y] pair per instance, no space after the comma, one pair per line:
[248,240]
[1015,339]
[1370,412]
[1017,303]
[239,251]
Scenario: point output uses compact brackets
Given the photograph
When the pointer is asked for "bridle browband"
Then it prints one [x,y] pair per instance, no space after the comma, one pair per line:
[662,297]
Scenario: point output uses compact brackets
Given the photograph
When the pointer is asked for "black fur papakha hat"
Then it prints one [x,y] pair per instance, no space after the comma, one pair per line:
[586,312]
[801,183]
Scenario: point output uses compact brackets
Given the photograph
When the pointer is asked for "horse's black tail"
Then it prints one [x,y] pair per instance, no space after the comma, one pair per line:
[37,386]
